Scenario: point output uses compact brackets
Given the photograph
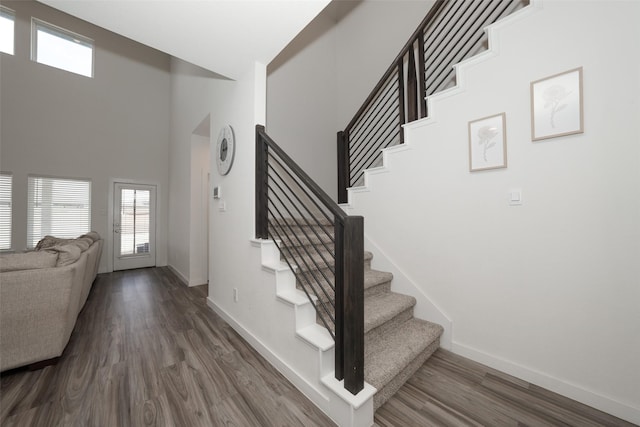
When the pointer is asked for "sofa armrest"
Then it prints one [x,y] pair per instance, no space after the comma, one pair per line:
[37,313]
[91,270]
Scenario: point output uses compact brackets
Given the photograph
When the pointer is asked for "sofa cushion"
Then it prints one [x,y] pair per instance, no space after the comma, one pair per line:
[49,241]
[83,243]
[67,253]
[27,261]
[93,235]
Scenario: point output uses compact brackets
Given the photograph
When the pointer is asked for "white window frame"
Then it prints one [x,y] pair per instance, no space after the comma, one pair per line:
[62,33]
[10,14]
[6,199]
[45,208]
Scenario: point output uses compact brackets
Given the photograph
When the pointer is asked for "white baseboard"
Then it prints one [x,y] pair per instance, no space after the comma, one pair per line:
[179,274]
[572,391]
[197,281]
[301,384]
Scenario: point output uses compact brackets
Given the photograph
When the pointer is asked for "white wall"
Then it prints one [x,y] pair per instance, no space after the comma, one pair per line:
[301,99]
[115,125]
[197,93]
[318,82]
[368,40]
[240,104]
[199,205]
[231,230]
[549,290]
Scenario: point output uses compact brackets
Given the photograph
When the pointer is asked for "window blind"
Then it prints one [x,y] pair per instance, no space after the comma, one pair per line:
[6,188]
[59,207]
[7,19]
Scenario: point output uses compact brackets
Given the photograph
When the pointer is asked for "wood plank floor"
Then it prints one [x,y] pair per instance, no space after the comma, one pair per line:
[450,390]
[147,350]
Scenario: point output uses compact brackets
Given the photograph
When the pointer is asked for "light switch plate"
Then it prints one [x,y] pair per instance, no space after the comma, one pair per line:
[515,197]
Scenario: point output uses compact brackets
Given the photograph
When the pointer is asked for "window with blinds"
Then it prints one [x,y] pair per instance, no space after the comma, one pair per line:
[7,20]
[6,188]
[59,207]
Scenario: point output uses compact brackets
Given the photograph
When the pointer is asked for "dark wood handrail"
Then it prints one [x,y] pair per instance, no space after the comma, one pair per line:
[300,173]
[394,64]
[349,258]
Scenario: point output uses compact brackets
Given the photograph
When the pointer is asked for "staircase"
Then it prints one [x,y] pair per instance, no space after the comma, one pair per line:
[376,342]
[396,343]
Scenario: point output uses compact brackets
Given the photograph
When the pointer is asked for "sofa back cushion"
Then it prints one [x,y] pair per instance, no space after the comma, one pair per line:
[67,253]
[83,242]
[49,241]
[28,261]
[93,235]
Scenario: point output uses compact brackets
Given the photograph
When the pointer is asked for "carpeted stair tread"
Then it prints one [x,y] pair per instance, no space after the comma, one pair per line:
[379,309]
[304,261]
[375,277]
[372,278]
[387,356]
[314,260]
[317,221]
[296,237]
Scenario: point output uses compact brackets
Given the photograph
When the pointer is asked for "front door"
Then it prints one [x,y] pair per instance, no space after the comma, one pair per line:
[134,226]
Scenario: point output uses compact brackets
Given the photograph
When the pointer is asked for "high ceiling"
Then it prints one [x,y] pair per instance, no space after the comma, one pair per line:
[223,36]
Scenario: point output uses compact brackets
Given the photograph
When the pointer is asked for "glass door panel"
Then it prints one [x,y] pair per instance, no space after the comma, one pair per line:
[134,226]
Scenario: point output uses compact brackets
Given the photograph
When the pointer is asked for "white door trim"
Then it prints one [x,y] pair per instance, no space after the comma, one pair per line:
[109,244]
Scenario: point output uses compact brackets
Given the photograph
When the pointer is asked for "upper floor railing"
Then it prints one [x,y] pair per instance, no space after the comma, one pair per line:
[452,31]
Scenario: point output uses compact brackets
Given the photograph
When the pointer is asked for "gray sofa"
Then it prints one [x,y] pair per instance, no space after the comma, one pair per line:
[41,294]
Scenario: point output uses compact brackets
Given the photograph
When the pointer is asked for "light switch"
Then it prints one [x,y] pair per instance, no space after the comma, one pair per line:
[222,206]
[515,197]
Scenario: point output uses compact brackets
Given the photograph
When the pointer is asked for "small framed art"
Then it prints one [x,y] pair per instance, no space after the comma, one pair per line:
[556,105]
[488,143]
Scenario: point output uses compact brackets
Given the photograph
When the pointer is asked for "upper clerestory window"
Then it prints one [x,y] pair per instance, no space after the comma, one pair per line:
[7,21]
[60,48]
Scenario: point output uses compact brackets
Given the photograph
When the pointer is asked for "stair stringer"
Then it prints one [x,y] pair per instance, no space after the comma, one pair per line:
[299,348]
[425,308]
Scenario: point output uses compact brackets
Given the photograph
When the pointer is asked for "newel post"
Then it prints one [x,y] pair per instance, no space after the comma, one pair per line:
[262,224]
[339,299]
[353,303]
[344,173]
